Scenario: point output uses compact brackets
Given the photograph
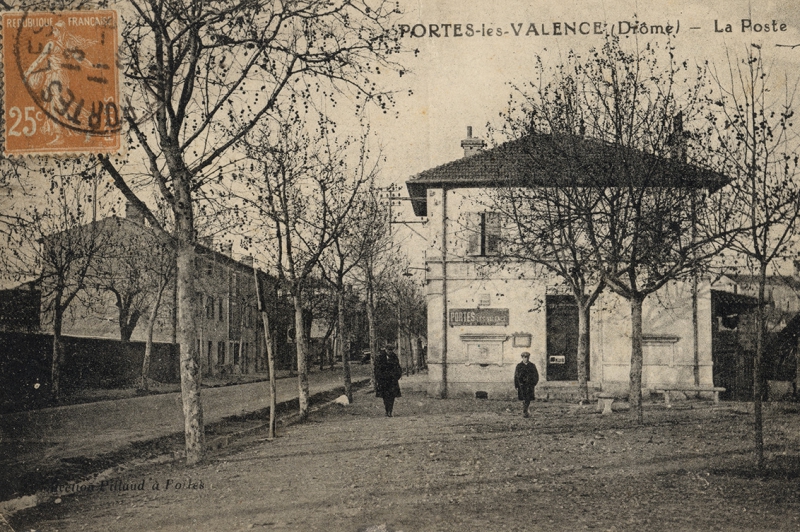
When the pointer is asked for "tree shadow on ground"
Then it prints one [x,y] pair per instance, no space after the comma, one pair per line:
[779,467]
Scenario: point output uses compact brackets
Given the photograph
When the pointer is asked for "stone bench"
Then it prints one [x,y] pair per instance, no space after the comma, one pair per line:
[604,402]
[683,389]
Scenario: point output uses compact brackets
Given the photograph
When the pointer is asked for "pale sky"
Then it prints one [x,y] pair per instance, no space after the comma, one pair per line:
[463,81]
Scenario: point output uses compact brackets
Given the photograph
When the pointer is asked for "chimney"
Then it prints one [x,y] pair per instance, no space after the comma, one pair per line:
[226,248]
[133,214]
[247,260]
[677,139]
[472,145]
[206,241]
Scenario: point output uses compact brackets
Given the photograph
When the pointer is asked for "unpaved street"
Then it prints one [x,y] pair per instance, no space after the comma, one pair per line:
[466,465]
[53,445]
[92,429]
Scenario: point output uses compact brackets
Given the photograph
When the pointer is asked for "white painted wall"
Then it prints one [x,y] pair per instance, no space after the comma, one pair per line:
[482,358]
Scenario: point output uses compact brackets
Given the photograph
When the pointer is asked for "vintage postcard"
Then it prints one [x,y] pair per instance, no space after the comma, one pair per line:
[487,266]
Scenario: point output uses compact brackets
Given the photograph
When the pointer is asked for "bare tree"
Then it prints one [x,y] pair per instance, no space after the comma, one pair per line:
[542,230]
[348,249]
[121,271]
[540,222]
[378,249]
[161,275]
[754,126]
[624,208]
[303,196]
[55,242]
[200,76]
[410,314]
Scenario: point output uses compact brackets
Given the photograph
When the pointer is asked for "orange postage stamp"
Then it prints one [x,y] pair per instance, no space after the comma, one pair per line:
[61,83]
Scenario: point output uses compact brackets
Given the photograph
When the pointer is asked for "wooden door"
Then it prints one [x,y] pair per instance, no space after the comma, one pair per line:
[562,338]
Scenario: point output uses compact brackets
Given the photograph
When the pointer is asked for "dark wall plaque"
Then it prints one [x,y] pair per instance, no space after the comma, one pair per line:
[478,316]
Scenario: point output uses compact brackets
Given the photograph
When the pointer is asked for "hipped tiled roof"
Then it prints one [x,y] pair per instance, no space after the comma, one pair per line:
[729,303]
[751,281]
[558,161]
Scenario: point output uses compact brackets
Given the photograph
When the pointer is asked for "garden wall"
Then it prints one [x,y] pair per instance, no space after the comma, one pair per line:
[25,360]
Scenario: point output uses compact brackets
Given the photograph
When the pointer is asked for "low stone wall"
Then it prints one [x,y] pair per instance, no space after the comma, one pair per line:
[25,361]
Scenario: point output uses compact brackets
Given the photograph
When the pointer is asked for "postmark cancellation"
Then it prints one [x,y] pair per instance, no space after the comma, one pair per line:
[61,83]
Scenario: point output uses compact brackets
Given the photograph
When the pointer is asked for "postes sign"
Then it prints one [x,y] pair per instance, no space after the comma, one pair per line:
[61,82]
[478,316]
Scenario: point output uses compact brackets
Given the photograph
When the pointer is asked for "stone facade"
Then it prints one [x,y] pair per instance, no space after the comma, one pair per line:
[484,312]
[229,333]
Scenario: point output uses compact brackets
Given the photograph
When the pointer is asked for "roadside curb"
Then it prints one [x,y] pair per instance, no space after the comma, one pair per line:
[220,442]
[9,507]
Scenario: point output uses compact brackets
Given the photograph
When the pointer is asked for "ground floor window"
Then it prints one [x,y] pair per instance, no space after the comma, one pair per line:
[221,352]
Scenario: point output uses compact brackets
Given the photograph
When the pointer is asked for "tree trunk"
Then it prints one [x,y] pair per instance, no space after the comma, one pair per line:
[407,348]
[373,336]
[308,319]
[348,389]
[127,324]
[302,362]
[399,344]
[268,345]
[148,346]
[758,392]
[415,365]
[635,392]
[271,369]
[242,353]
[321,352]
[695,330]
[58,353]
[148,350]
[583,352]
[190,367]
[797,370]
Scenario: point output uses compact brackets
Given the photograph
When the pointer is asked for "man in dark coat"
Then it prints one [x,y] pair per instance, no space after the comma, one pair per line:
[525,379]
[387,375]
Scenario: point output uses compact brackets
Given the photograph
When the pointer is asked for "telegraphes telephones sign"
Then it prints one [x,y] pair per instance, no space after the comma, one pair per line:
[61,83]
[478,316]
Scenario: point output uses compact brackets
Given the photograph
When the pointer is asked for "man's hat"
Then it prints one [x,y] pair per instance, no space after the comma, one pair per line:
[525,354]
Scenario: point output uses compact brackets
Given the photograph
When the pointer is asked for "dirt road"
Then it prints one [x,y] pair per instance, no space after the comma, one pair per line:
[465,465]
[48,445]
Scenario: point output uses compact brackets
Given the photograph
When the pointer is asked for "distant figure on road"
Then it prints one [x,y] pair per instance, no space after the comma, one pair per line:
[387,375]
[525,379]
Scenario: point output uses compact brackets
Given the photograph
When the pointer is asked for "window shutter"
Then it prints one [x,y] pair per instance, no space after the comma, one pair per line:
[492,227]
[474,233]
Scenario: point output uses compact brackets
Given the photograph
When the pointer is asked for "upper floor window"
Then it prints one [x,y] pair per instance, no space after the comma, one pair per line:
[210,308]
[248,317]
[484,233]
